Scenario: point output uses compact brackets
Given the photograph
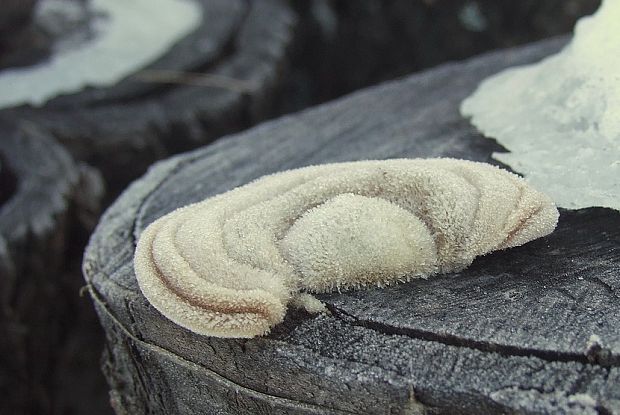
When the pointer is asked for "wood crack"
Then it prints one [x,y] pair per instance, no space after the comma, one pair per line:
[604,360]
[608,288]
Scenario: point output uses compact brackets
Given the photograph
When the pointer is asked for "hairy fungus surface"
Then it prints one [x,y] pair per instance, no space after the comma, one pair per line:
[128,36]
[560,118]
[229,266]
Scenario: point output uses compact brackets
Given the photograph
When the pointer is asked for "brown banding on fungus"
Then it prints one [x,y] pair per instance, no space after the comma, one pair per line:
[230,265]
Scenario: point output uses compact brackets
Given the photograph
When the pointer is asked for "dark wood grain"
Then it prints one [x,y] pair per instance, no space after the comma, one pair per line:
[38,216]
[20,41]
[351,45]
[528,330]
[124,128]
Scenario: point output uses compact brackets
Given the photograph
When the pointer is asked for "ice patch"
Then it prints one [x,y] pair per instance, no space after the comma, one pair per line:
[560,118]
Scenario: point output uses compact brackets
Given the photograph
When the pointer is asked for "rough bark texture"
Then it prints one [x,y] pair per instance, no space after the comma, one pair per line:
[124,128]
[528,330]
[38,214]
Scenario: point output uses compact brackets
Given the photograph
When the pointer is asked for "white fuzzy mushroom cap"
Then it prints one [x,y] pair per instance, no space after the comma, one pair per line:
[230,265]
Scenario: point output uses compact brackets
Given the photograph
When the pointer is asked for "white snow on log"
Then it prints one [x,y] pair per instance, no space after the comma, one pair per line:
[560,118]
[133,34]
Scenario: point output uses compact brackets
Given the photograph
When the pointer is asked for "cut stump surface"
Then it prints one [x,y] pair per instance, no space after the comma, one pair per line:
[533,329]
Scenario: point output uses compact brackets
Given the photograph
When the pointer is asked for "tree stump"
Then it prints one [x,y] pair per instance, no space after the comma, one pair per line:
[42,190]
[20,42]
[528,330]
[170,106]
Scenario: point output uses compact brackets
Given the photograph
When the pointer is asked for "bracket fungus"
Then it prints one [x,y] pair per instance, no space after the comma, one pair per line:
[229,266]
[560,118]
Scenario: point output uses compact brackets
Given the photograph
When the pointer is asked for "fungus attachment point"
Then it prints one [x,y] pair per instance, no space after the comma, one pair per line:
[560,118]
[230,265]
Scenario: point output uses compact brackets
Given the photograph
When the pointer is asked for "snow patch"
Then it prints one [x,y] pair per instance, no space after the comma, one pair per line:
[560,118]
[130,35]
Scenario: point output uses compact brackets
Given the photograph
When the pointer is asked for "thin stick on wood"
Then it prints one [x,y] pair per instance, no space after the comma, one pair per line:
[195,79]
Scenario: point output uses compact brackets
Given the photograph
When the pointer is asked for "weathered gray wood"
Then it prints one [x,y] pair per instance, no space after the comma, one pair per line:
[529,330]
[37,215]
[124,128]
[20,42]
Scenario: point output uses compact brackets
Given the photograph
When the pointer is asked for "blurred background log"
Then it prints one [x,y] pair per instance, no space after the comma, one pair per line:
[346,45]
[249,61]
[45,195]
[20,42]
[221,78]
[528,330]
